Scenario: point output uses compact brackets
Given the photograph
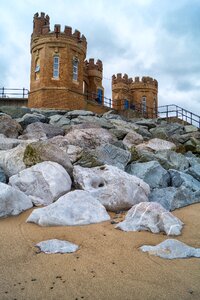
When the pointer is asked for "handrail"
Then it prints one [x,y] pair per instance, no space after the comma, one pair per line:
[172,110]
[13,92]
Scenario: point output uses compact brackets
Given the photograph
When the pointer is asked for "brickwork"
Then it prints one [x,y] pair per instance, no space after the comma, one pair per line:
[138,93]
[64,52]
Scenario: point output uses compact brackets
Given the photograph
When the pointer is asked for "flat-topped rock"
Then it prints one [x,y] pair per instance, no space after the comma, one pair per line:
[57,246]
[171,249]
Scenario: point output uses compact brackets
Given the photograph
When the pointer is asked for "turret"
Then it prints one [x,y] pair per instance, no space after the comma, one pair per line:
[40,24]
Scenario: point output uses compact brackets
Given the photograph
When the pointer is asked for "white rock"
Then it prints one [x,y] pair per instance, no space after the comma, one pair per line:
[74,208]
[114,188]
[132,138]
[57,246]
[11,161]
[151,217]
[12,201]
[89,137]
[43,183]
[157,144]
[74,153]
[171,249]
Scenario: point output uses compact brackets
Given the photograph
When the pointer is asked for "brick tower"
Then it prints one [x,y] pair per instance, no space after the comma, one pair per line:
[139,94]
[59,76]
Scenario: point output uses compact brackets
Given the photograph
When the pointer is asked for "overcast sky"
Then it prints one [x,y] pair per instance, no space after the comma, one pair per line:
[157,38]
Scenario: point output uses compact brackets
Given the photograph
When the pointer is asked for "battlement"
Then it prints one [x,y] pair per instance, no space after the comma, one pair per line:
[91,65]
[120,79]
[41,26]
[133,82]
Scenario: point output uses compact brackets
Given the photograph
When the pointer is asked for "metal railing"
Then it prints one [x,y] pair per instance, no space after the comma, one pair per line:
[174,111]
[13,93]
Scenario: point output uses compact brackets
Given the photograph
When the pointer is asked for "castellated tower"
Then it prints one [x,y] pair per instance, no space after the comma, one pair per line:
[60,76]
[138,94]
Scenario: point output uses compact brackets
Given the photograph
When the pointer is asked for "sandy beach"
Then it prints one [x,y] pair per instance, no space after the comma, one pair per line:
[107,266]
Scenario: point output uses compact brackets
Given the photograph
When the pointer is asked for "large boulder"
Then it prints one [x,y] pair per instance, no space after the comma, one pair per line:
[172,249]
[2,176]
[101,122]
[132,138]
[151,172]
[89,137]
[194,171]
[105,154]
[151,217]
[11,161]
[114,188]
[157,144]
[172,160]
[46,151]
[59,120]
[74,208]
[9,127]
[44,183]
[12,201]
[41,131]
[185,180]
[171,197]
[56,246]
[76,113]
[15,111]
[30,118]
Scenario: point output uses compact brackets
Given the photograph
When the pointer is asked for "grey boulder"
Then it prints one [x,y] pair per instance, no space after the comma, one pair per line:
[171,197]
[151,217]
[9,127]
[151,172]
[74,208]
[41,131]
[105,154]
[171,249]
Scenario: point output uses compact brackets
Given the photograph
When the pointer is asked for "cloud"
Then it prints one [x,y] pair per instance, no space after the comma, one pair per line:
[137,37]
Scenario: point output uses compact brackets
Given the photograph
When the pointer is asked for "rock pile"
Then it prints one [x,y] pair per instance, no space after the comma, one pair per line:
[148,166]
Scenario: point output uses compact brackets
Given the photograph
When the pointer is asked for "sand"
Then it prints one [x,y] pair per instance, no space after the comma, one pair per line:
[107,266]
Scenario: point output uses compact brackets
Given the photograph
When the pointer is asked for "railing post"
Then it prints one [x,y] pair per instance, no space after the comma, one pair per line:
[2,92]
[23,92]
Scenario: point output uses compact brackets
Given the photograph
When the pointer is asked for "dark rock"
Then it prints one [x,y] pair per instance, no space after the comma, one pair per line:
[2,176]
[9,127]
[15,111]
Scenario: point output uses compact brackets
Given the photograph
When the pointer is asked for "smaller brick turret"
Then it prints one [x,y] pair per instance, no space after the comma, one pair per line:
[94,73]
[135,93]
[41,24]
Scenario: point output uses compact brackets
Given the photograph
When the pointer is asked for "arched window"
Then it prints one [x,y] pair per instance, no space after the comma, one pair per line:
[144,104]
[75,69]
[56,67]
[37,69]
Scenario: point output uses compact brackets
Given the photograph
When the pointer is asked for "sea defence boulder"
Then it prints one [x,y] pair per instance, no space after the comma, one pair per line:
[74,208]
[44,183]
[151,172]
[151,217]
[113,187]
[12,201]
[172,249]
[56,246]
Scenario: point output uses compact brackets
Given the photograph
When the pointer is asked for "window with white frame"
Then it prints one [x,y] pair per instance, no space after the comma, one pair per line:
[75,69]
[37,69]
[144,104]
[56,66]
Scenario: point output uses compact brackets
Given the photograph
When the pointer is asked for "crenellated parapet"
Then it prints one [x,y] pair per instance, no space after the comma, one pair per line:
[41,31]
[134,91]
[93,68]
[145,80]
